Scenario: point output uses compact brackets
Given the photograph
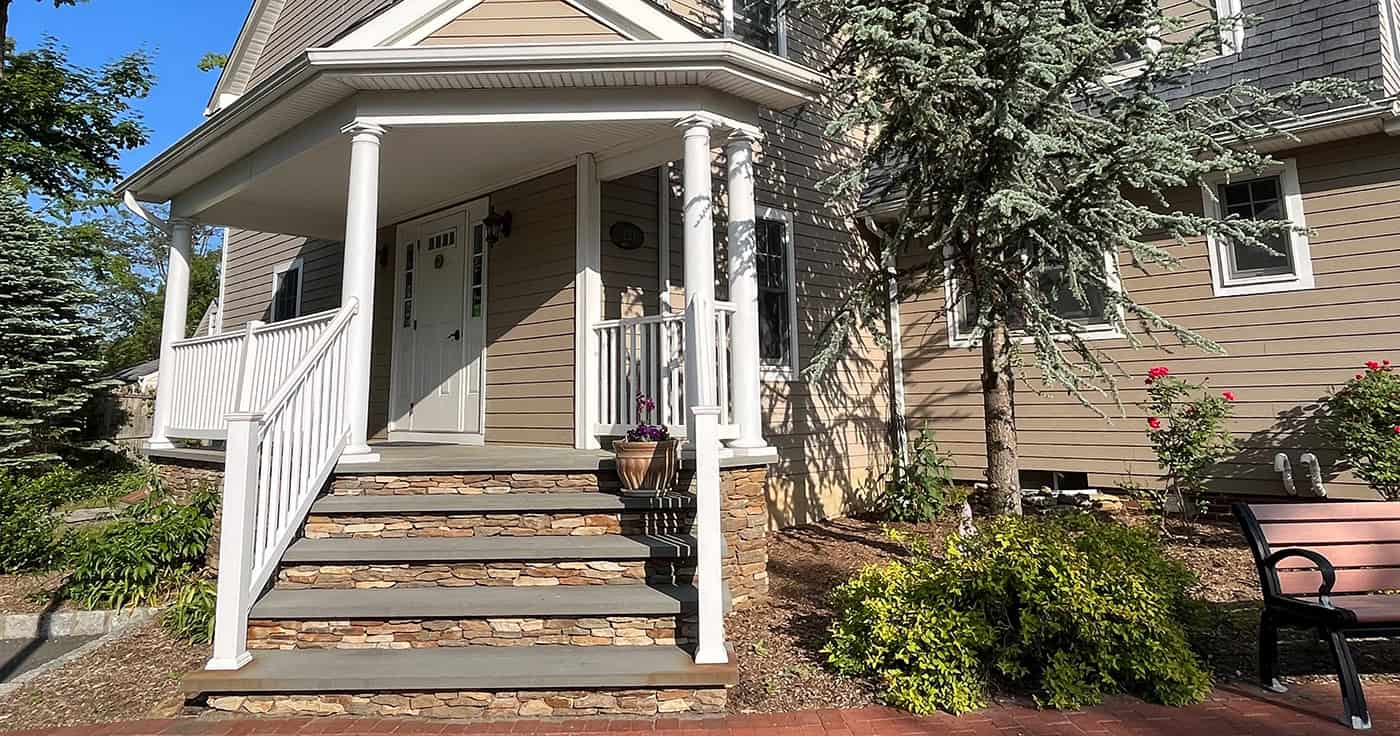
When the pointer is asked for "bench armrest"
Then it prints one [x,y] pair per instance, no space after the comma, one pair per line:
[1324,566]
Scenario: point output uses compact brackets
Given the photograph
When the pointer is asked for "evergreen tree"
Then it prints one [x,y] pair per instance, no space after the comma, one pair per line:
[48,367]
[1020,157]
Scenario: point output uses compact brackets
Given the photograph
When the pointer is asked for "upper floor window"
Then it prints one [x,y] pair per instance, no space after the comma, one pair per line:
[777,294]
[1090,313]
[1240,268]
[762,24]
[286,291]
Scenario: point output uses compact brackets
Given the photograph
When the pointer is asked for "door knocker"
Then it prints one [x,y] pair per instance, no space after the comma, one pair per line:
[437,261]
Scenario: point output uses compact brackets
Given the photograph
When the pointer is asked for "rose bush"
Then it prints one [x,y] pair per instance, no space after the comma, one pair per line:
[1187,427]
[1362,421]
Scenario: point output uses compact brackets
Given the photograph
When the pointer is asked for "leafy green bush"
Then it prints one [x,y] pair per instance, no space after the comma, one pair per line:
[29,538]
[1069,609]
[1363,421]
[146,553]
[923,489]
[190,614]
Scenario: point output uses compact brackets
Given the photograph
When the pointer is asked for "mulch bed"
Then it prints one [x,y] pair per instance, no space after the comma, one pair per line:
[132,677]
[781,667]
[31,593]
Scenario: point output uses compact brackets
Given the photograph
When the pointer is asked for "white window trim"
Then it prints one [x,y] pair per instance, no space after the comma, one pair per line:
[1232,38]
[277,271]
[1099,331]
[789,372]
[1299,244]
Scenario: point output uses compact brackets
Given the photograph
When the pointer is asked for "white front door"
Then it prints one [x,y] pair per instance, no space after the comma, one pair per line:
[440,328]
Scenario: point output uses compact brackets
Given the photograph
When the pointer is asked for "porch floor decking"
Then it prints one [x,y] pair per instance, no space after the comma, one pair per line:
[425,458]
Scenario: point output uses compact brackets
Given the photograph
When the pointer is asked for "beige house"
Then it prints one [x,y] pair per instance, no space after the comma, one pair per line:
[462,237]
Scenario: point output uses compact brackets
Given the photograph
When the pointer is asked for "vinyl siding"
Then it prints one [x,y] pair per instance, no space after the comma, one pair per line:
[530,316]
[1285,352]
[251,259]
[521,21]
[304,24]
[630,278]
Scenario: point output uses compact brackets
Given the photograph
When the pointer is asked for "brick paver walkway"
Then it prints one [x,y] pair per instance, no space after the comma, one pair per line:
[1234,710]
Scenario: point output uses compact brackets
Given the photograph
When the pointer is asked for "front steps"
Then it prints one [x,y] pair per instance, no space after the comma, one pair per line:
[451,595]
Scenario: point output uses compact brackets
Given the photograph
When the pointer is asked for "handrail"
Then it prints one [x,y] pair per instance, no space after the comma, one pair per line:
[287,324]
[207,339]
[303,368]
[652,319]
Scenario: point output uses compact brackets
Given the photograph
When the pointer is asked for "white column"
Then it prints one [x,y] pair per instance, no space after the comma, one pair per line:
[235,597]
[361,226]
[699,207]
[743,291]
[709,537]
[588,299]
[172,329]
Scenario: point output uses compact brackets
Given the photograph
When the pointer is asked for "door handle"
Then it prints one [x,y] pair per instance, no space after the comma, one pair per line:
[456,335]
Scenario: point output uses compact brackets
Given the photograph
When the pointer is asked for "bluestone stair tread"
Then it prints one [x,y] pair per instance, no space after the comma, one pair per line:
[501,503]
[373,550]
[584,601]
[547,667]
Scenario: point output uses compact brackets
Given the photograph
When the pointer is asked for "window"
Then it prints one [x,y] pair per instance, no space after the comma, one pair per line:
[777,295]
[1237,268]
[762,24]
[1091,314]
[1232,35]
[286,291]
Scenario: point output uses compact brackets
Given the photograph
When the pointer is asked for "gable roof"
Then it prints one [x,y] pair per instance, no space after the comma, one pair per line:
[371,23]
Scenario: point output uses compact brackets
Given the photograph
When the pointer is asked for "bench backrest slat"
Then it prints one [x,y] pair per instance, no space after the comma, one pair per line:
[1361,540]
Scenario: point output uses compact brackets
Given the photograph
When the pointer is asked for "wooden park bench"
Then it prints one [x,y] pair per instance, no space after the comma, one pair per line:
[1324,566]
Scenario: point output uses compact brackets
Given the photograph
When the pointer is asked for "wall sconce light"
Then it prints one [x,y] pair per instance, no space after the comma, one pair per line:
[626,235]
[497,226]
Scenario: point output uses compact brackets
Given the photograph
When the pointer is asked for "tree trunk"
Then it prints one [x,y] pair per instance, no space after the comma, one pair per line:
[999,406]
[4,29]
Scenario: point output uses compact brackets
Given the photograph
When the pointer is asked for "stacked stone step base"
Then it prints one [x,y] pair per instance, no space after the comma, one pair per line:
[564,524]
[484,705]
[475,483]
[502,574]
[500,632]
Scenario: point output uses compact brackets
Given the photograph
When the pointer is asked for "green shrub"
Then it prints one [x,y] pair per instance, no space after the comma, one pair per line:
[190,615]
[29,537]
[1068,609]
[146,553]
[1363,421]
[923,489]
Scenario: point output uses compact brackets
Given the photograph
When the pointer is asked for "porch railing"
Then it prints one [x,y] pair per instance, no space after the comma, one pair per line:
[213,376]
[276,462]
[646,355]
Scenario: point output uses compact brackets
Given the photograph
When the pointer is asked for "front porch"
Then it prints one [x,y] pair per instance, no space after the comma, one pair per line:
[441,427]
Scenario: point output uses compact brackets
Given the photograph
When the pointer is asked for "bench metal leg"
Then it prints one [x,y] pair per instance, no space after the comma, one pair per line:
[1268,654]
[1353,699]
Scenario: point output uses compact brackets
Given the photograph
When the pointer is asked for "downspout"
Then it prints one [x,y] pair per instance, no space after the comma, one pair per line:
[898,429]
[140,211]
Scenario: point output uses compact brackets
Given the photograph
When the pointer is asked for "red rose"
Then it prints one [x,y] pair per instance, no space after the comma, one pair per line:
[1359,376]
[1373,365]
[1156,373]
[1154,422]
[1396,429]
[1229,395]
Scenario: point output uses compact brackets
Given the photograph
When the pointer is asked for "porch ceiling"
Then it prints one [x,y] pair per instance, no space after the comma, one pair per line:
[421,169]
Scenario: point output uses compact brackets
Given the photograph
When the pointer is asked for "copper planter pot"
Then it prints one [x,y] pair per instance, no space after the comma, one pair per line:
[647,467]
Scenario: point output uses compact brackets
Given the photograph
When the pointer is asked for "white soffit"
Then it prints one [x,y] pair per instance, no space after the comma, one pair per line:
[411,21]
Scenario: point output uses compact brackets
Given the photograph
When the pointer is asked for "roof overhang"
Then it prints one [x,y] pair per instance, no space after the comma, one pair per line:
[325,77]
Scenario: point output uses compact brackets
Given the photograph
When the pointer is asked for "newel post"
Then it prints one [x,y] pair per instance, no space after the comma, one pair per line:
[709,536]
[236,530]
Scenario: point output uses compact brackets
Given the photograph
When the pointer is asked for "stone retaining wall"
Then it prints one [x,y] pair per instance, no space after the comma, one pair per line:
[483,705]
[499,632]
[462,575]
[744,509]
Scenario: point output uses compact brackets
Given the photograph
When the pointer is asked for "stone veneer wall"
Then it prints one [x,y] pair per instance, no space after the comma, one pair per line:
[623,631]
[485,705]
[744,520]
[182,478]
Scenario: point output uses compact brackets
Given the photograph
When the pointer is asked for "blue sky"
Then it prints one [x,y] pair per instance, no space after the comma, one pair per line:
[175,32]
